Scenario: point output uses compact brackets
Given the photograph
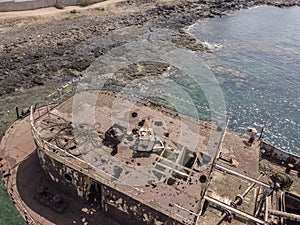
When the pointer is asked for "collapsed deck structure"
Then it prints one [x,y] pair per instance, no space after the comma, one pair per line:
[136,172]
[146,164]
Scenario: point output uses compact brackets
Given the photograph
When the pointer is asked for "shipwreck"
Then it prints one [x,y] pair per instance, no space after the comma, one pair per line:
[137,172]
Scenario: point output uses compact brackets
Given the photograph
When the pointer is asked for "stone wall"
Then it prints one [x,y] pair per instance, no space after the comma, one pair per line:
[7,6]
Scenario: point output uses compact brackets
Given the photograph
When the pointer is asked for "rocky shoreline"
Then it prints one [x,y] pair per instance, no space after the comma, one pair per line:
[41,51]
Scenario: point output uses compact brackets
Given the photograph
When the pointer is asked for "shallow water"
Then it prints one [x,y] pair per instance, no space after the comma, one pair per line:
[8,213]
[255,57]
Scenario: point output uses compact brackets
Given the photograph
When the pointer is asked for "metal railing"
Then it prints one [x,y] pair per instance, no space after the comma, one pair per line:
[64,156]
[7,119]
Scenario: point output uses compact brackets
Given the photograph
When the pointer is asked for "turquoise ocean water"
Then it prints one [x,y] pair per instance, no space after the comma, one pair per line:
[256,59]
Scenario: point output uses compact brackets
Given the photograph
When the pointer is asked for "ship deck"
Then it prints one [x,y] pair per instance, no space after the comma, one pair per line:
[29,179]
[23,178]
[167,171]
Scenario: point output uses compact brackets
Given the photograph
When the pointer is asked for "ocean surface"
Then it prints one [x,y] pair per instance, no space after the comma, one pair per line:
[255,55]
[8,213]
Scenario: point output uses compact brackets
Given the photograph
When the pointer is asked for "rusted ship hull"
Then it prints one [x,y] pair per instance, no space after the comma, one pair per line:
[284,202]
[136,204]
[291,161]
[113,203]
[222,190]
[182,175]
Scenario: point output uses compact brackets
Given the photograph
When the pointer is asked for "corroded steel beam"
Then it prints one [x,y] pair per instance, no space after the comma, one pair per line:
[290,216]
[241,175]
[236,211]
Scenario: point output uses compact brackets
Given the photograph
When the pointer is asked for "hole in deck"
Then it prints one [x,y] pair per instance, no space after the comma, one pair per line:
[134,114]
[68,177]
[203,178]
[141,123]
[158,123]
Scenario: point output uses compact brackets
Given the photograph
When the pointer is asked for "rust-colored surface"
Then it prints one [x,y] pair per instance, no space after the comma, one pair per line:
[225,187]
[176,196]
[106,143]
[20,161]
